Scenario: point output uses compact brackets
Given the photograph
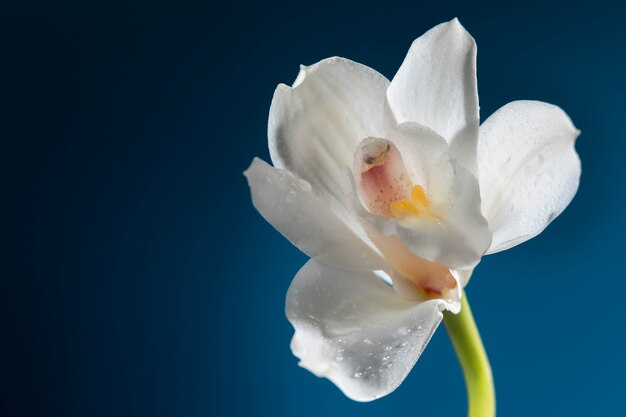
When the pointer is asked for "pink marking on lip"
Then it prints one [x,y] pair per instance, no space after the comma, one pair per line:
[384,182]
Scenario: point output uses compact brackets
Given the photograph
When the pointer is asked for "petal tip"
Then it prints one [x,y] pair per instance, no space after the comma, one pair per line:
[456,25]
[455,21]
[301,76]
[255,162]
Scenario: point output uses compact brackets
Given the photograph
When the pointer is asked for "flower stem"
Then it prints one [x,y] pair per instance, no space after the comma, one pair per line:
[471,353]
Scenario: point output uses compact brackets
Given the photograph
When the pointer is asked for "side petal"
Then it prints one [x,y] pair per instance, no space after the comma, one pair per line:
[436,87]
[528,169]
[288,204]
[315,125]
[355,330]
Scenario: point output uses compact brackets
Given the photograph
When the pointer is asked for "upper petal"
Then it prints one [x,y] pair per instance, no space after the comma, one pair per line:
[315,125]
[356,331]
[436,87]
[528,169]
[288,204]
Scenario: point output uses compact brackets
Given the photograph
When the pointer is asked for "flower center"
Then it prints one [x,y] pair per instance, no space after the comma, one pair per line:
[386,189]
[418,204]
[385,186]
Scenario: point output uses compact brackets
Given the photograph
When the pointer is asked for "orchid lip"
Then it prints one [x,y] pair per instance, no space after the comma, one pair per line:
[385,186]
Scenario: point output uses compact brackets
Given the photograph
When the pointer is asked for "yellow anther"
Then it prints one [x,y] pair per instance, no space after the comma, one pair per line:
[418,196]
[418,205]
[403,209]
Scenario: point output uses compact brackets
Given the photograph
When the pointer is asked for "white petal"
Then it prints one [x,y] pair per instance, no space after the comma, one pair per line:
[528,169]
[356,331]
[458,234]
[288,204]
[315,125]
[436,87]
[462,276]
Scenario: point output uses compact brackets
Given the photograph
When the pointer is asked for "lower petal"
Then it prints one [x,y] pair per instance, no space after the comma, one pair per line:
[353,329]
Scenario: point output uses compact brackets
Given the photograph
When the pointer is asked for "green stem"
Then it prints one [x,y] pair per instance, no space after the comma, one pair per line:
[471,353]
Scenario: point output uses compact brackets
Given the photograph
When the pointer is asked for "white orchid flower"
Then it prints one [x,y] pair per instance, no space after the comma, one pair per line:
[394,181]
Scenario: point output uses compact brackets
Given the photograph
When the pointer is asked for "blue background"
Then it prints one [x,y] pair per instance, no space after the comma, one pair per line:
[138,280]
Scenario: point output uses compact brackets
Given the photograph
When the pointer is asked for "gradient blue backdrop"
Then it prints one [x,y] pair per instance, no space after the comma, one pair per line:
[138,280]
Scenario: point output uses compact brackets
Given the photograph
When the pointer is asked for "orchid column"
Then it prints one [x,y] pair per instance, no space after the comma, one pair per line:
[396,194]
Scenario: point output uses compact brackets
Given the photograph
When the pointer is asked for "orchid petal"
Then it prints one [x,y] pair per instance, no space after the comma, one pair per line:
[436,87]
[528,168]
[353,329]
[459,236]
[462,275]
[288,204]
[315,125]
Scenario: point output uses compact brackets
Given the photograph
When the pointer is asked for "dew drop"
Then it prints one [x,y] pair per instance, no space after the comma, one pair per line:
[403,331]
